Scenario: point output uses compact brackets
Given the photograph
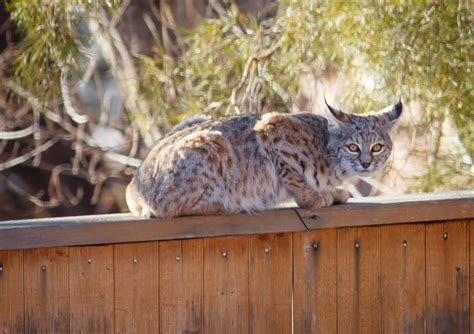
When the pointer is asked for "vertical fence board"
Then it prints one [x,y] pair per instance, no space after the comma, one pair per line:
[46,290]
[447,277]
[403,278]
[471,271]
[181,286]
[314,254]
[136,288]
[11,292]
[270,283]
[358,280]
[91,289]
[226,263]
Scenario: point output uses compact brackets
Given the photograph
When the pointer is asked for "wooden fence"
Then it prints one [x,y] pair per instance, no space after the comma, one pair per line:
[382,265]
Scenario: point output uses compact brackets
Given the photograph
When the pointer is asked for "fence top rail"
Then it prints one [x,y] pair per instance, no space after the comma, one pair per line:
[119,228]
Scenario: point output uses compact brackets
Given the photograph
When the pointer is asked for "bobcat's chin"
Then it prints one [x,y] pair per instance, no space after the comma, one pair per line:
[364,173]
[367,172]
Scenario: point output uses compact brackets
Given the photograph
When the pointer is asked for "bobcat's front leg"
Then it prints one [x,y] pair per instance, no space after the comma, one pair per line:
[305,196]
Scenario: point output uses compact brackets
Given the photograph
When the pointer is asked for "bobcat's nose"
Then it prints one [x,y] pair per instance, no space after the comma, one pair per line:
[365,164]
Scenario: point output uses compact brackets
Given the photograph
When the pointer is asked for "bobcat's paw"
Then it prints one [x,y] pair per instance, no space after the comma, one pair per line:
[321,200]
[340,195]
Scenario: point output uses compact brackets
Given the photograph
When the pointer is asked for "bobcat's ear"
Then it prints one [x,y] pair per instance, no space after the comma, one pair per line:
[335,116]
[392,113]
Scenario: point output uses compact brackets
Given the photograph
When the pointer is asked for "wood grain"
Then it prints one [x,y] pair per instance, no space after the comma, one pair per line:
[358,280]
[11,292]
[403,278]
[91,289]
[136,288]
[181,286]
[105,229]
[47,290]
[447,277]
[270,283]
[226,274]
[314,273]
[386,210]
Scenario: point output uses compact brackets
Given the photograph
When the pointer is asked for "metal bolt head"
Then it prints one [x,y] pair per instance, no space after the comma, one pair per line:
[357,245]
[267,250]
[1,268]
[43,268]
[316,245]
[224,254]
[178,258]
[405,243]
[445,235]
[135,260]
[89,261]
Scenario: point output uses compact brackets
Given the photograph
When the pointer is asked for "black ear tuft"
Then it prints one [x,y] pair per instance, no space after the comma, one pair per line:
[392,113]
[395,112]
[336,115]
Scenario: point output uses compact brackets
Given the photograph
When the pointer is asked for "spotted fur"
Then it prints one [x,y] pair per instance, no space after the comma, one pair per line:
[249,164]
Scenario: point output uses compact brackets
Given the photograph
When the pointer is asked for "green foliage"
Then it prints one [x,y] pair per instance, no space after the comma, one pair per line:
[416,50]
[50,40]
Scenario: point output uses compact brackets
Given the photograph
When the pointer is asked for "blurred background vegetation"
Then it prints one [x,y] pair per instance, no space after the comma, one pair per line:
[86,88]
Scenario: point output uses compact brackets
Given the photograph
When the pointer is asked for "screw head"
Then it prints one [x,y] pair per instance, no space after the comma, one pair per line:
[445,235]
[1,269]
[224,254]
[43,268]
[89,261]
[316,245]
[178,258]
[135,260]
[267,250]
[357,245]
[405,243]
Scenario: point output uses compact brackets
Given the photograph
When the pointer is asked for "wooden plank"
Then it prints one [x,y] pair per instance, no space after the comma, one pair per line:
[91,289]
[403,278]
[447,277]
[358,280]
[136,288]
[471,270]
[105,229]
[392,210]
[11,292]
[181,286]
[226,263]
[314,254]
[47,290]
[270,283]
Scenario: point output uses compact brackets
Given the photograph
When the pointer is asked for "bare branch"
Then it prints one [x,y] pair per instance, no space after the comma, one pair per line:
[123,159]
[76,117]
[33,199]
[29,155]
[9,135]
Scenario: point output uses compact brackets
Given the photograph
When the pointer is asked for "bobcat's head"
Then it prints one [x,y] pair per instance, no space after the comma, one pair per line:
[362,142]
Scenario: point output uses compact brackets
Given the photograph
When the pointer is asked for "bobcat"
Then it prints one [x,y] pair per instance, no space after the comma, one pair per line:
[251,163]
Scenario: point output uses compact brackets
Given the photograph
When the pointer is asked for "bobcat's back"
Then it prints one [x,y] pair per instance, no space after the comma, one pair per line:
[207,167]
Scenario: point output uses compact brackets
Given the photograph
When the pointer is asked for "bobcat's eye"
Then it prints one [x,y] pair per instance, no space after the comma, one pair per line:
[377,148]
[353,147]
